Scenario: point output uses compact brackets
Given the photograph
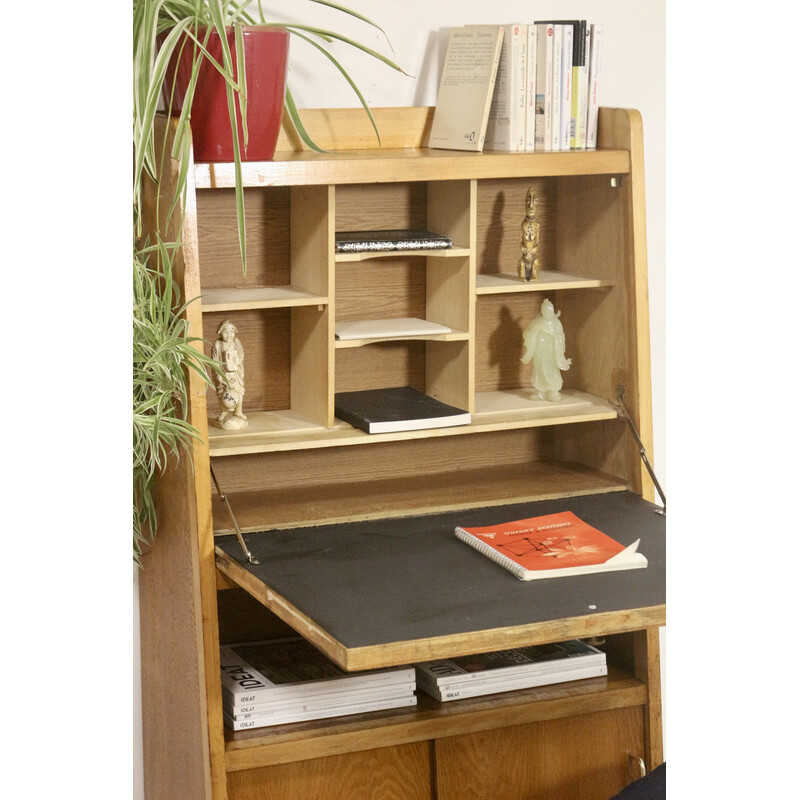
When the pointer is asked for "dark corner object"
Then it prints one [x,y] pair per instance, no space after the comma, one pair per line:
[652,786]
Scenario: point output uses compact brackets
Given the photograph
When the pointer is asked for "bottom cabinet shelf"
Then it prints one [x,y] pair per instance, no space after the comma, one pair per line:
[252,749]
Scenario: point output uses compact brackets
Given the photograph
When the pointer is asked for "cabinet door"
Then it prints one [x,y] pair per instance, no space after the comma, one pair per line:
[386,773]
[583,756]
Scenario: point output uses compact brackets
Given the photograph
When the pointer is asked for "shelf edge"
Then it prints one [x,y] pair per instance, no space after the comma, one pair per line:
[422,724]
[409,164]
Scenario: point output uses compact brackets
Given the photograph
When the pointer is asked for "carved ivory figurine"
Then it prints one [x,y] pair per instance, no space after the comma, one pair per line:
[229,352]
[528,266]
[545,345]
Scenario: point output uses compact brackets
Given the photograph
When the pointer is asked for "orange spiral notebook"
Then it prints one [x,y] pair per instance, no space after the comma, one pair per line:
[551,546]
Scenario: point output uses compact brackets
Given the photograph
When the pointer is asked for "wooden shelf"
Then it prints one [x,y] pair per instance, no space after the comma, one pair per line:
[452,336]
[518,409]
[448,252]
[549,280]
[278,431]
[261,297]
[424,494]
[430,720]
[408,164]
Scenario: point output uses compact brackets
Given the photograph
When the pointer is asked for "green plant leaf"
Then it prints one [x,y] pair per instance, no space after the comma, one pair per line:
[346,77]
[294,115]
[355,14]
[326,34]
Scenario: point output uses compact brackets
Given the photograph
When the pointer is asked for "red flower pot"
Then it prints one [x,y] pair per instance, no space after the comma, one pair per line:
[266,51]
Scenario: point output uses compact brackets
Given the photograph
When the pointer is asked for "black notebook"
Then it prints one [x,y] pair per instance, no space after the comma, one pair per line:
[378,241]
[396,409]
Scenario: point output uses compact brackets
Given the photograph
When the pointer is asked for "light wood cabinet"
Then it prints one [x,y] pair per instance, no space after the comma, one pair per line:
[296,467]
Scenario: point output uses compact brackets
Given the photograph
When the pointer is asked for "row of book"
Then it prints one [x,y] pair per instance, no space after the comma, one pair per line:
[545,92]
[520,87]
[289,680]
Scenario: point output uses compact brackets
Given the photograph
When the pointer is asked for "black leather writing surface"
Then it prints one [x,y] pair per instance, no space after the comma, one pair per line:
[375,582]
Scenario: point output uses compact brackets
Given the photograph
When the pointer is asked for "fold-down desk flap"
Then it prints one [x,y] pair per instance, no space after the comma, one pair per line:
[385,592]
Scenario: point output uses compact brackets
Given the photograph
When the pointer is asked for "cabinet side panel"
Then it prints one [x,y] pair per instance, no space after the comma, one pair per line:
[389,773]
[180,642]
[622,128]
[173,690]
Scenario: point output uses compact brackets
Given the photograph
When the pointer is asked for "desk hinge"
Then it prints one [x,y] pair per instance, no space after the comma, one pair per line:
[224,498]
[623,411]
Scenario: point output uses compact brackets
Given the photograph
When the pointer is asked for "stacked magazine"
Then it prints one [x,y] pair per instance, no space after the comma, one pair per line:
[506,670]
[289,680]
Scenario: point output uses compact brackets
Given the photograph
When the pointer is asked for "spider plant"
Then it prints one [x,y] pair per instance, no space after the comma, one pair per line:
[161,26]
[163,350]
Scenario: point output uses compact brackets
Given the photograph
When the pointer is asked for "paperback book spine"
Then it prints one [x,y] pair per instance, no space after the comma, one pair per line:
[566,88]
[581,103]
[519,60]
[544,85]
[530,89]
[595,67]
[555,124]
[506,127]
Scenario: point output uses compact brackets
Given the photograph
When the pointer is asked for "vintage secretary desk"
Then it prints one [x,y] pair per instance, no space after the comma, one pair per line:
[302,484]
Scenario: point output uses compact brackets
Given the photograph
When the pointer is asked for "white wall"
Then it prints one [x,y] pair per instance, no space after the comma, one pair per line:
[634,76]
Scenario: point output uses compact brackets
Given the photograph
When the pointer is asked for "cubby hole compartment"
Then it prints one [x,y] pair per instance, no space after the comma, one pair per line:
[442,207]
[403,286]
[286,372]
[286,267]
[503,383]
[440,369]
[570,255]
